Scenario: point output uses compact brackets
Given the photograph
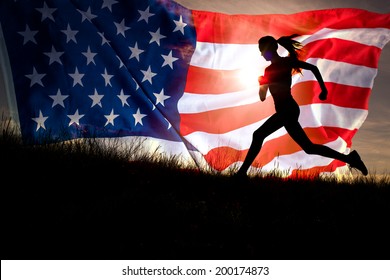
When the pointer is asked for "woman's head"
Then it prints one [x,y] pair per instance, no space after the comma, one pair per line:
[268,46]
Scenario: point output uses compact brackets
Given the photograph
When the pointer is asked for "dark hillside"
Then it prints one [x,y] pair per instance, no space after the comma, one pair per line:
[61,204]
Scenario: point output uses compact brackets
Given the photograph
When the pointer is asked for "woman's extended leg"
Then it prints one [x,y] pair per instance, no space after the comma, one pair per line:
[298,134]
[271,125]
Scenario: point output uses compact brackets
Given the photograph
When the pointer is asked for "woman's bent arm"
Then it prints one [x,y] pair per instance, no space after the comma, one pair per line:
[313,68]
[263,92]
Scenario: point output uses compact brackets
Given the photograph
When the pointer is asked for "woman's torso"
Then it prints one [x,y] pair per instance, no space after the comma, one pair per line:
[278,75]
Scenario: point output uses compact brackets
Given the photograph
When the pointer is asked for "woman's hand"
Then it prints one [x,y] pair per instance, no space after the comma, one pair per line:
[323,94]
[262,80]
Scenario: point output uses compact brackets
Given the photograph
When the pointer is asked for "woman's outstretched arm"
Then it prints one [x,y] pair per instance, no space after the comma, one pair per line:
[317,74]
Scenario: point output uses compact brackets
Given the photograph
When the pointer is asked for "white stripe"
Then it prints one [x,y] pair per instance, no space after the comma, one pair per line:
[314,115]
[340,73]
[303,160]
[226,56]
[196,103]
[377,37]
[237,56]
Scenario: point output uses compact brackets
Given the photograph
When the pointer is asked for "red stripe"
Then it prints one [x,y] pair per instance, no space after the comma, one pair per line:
[247,29]
[315,171]
[222,157]
[226,119]
[210,81]
[343,51]
[338,94]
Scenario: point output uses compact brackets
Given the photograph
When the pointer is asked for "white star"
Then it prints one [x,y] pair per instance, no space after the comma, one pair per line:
[180,25]
[58,99]
[40,121]
[160,97]
[46,12]
[156,37]
[138,117]
[123,97]
[96,99]
[104,40]
[148,75]
[86,15]
[75,118]
[145,15]
[90,56]
[70,34]
[77,77]
[28,35]
[169,59]
[108,4]
[107,77]
[111,117]
[135,52]
[54,56]
[121,28]
[35,77]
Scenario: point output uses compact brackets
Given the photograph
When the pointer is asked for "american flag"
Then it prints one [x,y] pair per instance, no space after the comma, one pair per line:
[186,80]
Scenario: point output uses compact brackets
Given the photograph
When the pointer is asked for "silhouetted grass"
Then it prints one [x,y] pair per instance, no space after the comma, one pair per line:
[99,200]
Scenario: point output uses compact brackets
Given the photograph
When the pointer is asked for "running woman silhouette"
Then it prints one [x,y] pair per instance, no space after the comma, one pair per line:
[277,78]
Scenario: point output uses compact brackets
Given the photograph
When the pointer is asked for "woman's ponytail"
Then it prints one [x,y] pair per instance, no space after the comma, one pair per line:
[293,47]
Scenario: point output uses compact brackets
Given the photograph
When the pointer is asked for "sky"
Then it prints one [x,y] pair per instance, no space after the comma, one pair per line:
[372,139]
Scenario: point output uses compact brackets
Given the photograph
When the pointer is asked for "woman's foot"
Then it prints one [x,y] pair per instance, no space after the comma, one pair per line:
[356,162]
